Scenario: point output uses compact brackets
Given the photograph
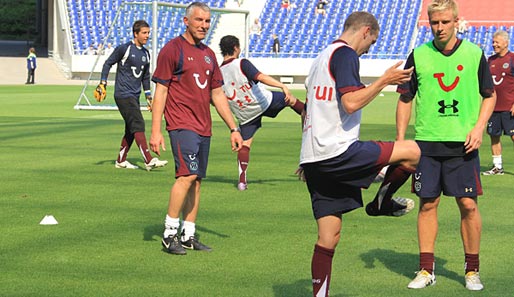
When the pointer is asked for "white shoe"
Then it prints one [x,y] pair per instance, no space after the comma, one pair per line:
[242,186]
[423,279]
[473,282]
[125,164]
[154,163]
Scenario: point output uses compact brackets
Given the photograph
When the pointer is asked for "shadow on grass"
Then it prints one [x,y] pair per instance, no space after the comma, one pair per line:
[268,181]
[154,232]
[402,263]
[300,288]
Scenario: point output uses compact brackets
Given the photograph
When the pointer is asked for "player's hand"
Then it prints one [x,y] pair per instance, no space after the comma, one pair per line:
[157,142]
[473,140]
[300,173]
[149,101]
[100,92]
[236,141]
[396,76]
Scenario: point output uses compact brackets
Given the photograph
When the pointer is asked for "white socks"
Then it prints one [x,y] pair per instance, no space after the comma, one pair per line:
[497,161]
[188,229]
[171,226]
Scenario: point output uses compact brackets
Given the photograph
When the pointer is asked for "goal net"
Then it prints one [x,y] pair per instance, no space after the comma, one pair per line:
[166,21]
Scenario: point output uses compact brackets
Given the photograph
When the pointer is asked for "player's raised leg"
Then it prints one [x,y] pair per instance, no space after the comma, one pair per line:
[403,160]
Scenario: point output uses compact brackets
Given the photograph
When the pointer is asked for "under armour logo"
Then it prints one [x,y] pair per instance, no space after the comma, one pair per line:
[445,106]
[468,190]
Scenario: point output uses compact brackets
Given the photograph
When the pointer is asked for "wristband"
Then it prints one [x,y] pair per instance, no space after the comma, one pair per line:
[236,129]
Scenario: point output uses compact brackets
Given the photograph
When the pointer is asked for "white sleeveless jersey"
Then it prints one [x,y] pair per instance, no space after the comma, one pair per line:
[328,130]
[247,99]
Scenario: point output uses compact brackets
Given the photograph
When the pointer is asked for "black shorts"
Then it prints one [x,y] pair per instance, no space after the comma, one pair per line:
[453,176]
[335,184]
[501,121]
[130,110]
[278,103]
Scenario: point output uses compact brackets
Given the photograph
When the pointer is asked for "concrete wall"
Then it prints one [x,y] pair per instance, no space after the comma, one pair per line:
[276,67]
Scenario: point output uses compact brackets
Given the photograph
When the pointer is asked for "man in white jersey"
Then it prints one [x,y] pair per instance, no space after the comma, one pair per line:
[249,99]
[336,164]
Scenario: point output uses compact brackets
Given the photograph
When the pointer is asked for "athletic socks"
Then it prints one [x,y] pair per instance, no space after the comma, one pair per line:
[243,157]
[171,226]
[497,161]
[321,269]
[471,262]
[427,262]
[143,146]
[126,142]
[395,177]
[188,230]
[298,106]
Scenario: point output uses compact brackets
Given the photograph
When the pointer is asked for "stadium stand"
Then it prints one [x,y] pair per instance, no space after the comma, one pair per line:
[302,32]
[90,21]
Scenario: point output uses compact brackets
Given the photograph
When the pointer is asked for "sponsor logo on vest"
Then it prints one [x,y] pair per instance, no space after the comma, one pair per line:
[321,92]
[444,106]
[444,87]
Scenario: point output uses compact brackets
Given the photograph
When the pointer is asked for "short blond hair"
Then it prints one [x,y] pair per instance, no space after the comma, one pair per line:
[442,5]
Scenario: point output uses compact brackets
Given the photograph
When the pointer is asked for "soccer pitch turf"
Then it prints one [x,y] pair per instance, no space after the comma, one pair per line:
[60,161]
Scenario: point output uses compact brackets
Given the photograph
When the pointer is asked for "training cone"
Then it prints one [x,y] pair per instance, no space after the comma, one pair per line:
[48,220]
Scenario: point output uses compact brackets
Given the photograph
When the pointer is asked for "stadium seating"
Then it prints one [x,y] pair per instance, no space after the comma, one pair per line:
[302,33]
[90,21]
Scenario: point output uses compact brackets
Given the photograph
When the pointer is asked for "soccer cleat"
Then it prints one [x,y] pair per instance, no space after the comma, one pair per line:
[193,244]
[399,206]
[242,186]
[125,164]
[172,245]
[154,163]
[423,279]
[494,171]
[473,282]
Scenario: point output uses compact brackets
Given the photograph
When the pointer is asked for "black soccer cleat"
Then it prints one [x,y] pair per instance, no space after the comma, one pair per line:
[399,206]
[172,245]
[193,244]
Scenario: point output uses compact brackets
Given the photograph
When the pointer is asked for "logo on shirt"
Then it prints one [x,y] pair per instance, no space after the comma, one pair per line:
[135,73]
[207,59]
[453,85]
[197,80]
[323,93]
[444,106]
[498,82]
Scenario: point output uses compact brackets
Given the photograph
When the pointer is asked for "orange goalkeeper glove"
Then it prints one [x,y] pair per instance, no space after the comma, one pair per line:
[100,92]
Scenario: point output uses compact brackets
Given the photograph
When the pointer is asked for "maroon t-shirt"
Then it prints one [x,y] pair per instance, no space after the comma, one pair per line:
[190,72]
[502,70]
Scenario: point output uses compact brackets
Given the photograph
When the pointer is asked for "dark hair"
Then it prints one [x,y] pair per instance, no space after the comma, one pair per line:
[138,25]
[227,44]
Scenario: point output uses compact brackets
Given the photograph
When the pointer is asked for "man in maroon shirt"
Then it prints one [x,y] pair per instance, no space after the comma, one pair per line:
[502,69]
[187,80]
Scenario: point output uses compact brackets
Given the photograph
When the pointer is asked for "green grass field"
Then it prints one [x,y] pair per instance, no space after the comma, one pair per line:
[59,161]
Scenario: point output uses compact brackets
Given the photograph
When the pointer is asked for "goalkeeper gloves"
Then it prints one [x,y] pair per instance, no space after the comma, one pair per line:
[149,100]
[100,92]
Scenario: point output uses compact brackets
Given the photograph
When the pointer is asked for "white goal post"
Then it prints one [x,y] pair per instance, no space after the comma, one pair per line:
[224,21]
